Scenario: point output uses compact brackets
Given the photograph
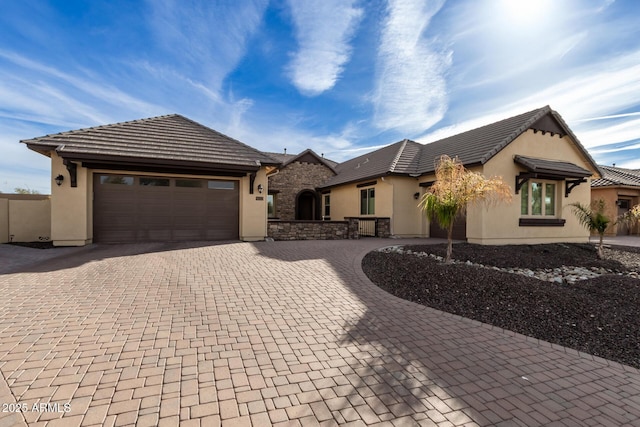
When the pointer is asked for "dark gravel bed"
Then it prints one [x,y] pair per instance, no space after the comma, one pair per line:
[599,316]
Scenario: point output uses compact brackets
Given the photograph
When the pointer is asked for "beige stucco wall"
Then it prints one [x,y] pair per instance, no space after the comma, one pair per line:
[345,199]
[253,208]
[394,199]
[499,224]
[407,220]
[25,218]
[72,208]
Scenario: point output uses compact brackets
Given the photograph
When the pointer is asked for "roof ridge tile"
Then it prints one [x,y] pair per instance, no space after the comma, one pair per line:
[394,162]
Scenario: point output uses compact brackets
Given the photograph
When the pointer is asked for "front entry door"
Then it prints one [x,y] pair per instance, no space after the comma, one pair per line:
[306,206]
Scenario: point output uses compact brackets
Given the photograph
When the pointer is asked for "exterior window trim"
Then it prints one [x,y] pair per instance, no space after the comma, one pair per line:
[272,199]
[370,201]
[326,208]
[526,190]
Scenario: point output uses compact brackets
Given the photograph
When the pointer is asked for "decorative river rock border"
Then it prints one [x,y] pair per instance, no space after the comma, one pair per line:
[564,274]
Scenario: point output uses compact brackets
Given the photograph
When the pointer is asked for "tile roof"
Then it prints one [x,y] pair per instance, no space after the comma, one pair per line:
[398,158]
[612,176]
[156,140]
[473,147]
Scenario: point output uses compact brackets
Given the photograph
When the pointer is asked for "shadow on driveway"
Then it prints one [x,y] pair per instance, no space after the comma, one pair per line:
[406,361]
[20,259]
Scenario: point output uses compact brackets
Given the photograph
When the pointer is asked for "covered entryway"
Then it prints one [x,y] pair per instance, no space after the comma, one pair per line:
[459,229]
[306,205]
[130,208]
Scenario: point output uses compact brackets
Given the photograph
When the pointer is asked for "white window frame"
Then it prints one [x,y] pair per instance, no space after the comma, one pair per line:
[527,191]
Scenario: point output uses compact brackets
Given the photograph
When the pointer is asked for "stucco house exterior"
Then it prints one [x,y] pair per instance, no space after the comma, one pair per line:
[620,189]
[536,152]
[164,178]
[169,178]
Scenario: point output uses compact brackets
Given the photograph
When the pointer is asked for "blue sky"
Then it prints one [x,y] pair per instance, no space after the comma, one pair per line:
[339,76]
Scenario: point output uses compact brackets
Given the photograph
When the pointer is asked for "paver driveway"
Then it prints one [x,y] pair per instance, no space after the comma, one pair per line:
[286,333]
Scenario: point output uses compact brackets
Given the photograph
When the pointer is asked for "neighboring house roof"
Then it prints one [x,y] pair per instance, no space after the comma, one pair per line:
[307,155]
[168,141]
[612,176]
[474,147]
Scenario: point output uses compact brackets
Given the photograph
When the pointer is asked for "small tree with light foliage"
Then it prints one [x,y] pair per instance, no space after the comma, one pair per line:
[454,190]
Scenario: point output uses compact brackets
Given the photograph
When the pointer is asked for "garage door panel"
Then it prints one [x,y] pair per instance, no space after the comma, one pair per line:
[154,235]
[164,209]
[116,236]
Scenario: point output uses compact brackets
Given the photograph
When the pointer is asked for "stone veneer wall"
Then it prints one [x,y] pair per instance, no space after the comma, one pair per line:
[292,179]
[322,230]
[309,230]
[383,227]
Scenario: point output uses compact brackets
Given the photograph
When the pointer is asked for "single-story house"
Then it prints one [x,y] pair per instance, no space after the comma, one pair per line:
[164,178]
[536,152]
[620,189]
[169,178]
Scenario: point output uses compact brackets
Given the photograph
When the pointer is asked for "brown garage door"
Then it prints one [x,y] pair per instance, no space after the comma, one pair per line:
[459,229]
[131,208]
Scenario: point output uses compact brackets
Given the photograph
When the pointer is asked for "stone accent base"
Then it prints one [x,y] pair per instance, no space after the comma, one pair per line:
[324,230]
[308,230]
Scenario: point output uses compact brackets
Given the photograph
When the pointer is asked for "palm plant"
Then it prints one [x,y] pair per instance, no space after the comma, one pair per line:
[594,219]
[454,190]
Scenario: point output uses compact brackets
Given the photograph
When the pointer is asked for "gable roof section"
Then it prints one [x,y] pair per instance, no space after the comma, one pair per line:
[473,147]
[308,156]
[170,141]
[612,176]
[479,145]
[398,158]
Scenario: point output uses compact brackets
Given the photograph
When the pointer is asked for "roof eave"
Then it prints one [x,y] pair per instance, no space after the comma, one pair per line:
[353,181]
[43,149]
[145,162]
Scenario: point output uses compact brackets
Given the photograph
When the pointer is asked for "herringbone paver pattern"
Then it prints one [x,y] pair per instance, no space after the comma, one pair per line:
[272,333]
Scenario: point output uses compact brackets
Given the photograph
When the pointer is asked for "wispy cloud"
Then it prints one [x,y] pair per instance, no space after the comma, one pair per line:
[613,116]
[267,135]
[411,92]
[593,94]
[627,130]
[323,30]
[34,92]
[596,90]
[207,39]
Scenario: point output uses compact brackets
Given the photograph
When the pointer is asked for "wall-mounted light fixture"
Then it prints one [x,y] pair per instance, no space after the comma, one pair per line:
[59,180]
[260,188]
[416,196]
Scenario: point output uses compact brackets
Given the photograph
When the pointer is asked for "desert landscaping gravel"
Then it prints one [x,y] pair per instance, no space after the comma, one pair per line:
[599,316]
